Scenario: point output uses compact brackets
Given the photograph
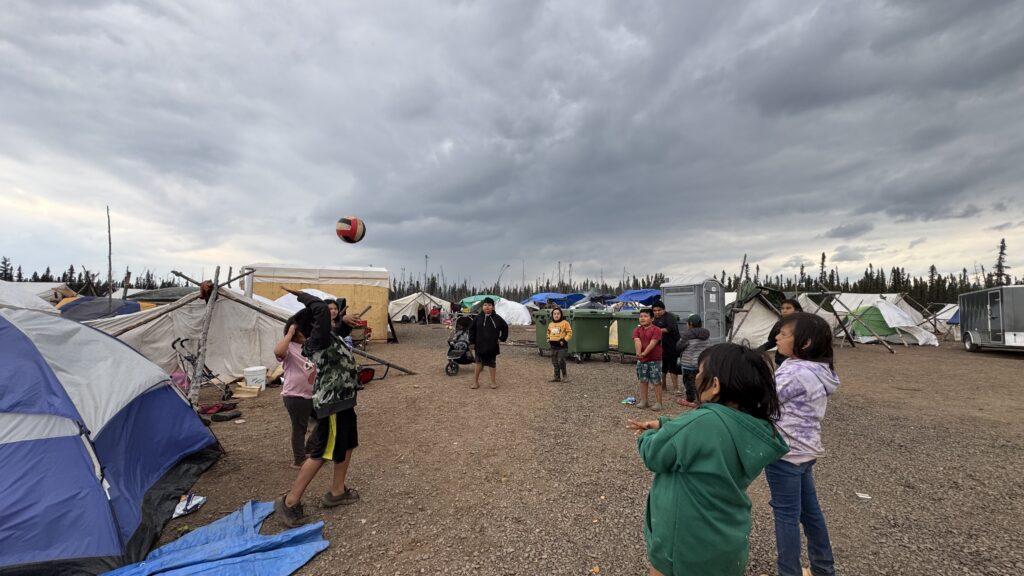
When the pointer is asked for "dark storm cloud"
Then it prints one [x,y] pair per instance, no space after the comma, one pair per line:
[663,136]
[852,230]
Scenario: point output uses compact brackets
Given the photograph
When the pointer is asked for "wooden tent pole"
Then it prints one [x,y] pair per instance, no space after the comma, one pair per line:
[194,384]
[365,354]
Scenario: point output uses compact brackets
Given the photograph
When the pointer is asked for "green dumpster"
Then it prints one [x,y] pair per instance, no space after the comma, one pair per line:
[540,321]
[626,322]
[589,333]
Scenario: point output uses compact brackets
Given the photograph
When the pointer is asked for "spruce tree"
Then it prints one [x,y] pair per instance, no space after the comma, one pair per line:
[1000,275]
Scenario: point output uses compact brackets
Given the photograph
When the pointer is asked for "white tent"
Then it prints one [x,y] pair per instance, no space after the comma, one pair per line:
[12,295]
[514,313]
[752,322]
[52,292]
[409,307]
[290,302]
[243,332]
[853,301]
[937,322]
[899,320]
[809,305]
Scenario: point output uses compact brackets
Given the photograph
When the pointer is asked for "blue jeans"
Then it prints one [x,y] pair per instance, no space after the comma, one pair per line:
[795,502]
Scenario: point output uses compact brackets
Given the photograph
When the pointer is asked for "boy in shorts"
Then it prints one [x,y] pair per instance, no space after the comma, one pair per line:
[334,400]
[484,334]
[647,341]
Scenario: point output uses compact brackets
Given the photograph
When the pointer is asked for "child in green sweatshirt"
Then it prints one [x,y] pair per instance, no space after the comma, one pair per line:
[698,511]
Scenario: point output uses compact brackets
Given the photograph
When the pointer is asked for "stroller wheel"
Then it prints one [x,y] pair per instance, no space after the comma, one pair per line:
[452,368]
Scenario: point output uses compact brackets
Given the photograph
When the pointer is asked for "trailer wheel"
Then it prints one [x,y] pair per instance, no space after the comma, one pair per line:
[969,344]
[451,368]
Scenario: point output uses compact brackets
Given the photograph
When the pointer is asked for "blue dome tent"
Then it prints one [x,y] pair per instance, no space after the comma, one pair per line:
[95,444]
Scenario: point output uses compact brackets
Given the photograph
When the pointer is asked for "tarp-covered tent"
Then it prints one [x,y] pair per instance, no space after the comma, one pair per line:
[938,321]
[470,301]
[849,301]
[13,295]
[242,332]
[52,292]
[645,296]
[96,447]
[562,300]
[164,295]
[409,308]
[889,322]
[361,286]
[82,308]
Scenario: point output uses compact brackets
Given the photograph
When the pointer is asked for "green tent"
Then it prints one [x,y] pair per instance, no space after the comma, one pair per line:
[871,316]
[470,301]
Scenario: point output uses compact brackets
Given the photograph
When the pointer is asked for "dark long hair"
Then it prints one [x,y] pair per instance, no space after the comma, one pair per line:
[745,379]
[811,328]
[561,315]
[794,303]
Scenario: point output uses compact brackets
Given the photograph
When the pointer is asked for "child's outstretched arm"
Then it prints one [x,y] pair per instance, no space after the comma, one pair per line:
[670,448]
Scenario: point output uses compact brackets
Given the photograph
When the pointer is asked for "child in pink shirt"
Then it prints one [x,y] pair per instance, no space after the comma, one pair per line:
[297,390]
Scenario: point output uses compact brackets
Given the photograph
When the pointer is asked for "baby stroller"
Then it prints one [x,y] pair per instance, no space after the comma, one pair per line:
[458,346]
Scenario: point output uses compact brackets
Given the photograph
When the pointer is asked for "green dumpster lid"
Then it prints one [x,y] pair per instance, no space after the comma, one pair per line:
[627,314]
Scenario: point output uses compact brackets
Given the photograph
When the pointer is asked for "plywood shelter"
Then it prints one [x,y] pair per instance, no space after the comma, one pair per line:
[243,332]
[362,286]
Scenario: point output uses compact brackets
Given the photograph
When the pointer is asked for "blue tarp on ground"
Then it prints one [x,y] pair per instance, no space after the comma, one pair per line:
[233,545]
[563,300]
[646,296]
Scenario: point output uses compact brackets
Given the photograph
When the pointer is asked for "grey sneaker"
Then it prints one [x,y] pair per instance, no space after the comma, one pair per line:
[291,516]
[349,496]
[656,406]
[642,405]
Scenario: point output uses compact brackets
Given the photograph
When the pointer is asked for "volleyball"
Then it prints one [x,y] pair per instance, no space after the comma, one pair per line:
[350,229]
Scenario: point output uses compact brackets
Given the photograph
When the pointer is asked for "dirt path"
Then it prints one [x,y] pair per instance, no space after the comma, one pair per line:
[539,478]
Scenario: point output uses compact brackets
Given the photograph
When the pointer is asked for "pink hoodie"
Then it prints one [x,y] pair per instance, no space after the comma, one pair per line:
[803,387]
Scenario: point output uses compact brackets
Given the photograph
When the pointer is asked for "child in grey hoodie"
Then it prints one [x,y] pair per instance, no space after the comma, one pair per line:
[804,381]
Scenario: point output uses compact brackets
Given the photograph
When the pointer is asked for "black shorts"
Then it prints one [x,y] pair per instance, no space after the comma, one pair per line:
[670,363]
[333,436]
[490,360]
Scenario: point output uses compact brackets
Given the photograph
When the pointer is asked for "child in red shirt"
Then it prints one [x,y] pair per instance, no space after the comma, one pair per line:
[647,341]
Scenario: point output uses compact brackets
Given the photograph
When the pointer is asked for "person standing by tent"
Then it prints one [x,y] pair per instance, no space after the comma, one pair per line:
[485,332]
[647,342]
[669,325]
[804,382]
[297,391]
[559,334]
[789,306]
[334,402]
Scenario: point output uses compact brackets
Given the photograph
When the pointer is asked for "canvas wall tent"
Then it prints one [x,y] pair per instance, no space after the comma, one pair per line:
[849,301]
[96,447]
[888,321]
[52,292]
[12,295]
[937,321]
[361,286]
[413,305]
[751,321]
[242,332]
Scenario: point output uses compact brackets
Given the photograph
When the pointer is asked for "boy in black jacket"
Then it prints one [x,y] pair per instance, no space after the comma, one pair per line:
[484,334]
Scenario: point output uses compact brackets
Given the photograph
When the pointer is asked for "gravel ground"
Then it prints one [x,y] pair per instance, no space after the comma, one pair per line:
[540,478]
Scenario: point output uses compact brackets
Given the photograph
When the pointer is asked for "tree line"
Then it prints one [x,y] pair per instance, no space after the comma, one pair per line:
[83,281]
[935,287]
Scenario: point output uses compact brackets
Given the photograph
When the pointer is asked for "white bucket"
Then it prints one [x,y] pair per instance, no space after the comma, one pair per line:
[256,377]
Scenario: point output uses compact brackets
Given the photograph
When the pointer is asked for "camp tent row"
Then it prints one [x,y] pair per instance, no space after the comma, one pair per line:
[415,306]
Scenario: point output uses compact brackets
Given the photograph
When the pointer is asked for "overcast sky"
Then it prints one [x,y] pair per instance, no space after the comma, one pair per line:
[650,136]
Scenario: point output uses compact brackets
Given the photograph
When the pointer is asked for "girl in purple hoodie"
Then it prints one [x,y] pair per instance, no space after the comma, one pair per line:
[804,381]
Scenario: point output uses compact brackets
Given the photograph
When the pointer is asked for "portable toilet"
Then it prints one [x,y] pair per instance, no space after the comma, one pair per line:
[706,298]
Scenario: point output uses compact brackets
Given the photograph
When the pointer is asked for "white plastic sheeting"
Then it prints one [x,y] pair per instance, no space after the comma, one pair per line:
[514,313]
[290,302]
[899,320]
[243,332]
